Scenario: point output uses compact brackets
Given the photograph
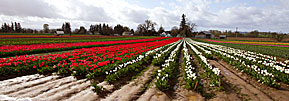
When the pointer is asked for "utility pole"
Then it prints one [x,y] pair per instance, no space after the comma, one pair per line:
[236,31]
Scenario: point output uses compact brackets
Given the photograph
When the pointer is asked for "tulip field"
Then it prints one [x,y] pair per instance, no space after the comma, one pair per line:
[137,68]
[277,49]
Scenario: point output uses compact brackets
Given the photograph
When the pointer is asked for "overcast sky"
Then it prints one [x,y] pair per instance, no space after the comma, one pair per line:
[247,15]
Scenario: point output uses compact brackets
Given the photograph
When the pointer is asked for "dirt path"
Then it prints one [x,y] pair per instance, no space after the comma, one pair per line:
[129,91]
[19,80]
[275,94]
[52,87]
[245,88]
[24,85]
[182,94]
[39,89]
[212,93]
[87,94]
[153,94]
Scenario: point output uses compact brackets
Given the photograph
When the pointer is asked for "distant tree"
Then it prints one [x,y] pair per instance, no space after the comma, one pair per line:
[82,30]
[215,32]
[126,29]
[46,28]
[132,31]
[230,33]
[76,30]
[278,36]
[66,28]
[12,27]
[5,28]
[174,31]
[186,29]
[161,30]
[147,29]
[192,28]
[18,27]
[140,29]
[92,29]
[254,33]
[106,30]
[118,29]
[183,24]
[153,31]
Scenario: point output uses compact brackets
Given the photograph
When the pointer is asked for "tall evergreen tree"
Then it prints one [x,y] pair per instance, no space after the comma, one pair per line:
[183,22]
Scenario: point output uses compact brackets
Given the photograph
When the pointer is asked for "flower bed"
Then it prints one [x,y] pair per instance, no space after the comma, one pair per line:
[190,70]
[8,50]
[253,43]
[133,66]
[168,70]
[261,67]
[80,61]
[212,72]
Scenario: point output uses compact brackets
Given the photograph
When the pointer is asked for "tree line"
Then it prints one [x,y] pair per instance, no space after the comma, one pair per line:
[185,29]
[15,27]
[145,29]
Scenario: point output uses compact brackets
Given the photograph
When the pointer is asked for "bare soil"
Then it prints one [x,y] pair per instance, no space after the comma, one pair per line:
[40,87]
[245,88]
[153,94]
[181,93]
[129,91]
[280,94]
[215,93]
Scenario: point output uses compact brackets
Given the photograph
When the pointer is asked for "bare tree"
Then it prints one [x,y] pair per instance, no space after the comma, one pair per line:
[147,28]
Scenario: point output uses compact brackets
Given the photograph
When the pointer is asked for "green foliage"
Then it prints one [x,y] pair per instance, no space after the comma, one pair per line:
[96,88]
[28,41]
[160,60]
[168,72]
[215,80]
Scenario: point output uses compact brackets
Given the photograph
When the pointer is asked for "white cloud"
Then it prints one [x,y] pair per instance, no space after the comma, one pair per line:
[34,13]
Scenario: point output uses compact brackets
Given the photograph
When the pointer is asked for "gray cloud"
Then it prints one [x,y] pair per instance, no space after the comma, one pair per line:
[35,13]
[136,16]
[27,8]
[96,14]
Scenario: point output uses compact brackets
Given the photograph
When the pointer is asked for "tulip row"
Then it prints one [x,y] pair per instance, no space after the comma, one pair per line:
[134,65]
[80,61]
[160,57]
[244,63]
[259,58]
[29,41]
[212,72]
[252,43]
[169,69]
[190,70]
[9,50]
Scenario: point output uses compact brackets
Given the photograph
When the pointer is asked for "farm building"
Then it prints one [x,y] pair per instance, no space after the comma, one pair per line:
[222,36]
[126,34]
[59,33]
[205,34]
[165,35]
[116,35]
